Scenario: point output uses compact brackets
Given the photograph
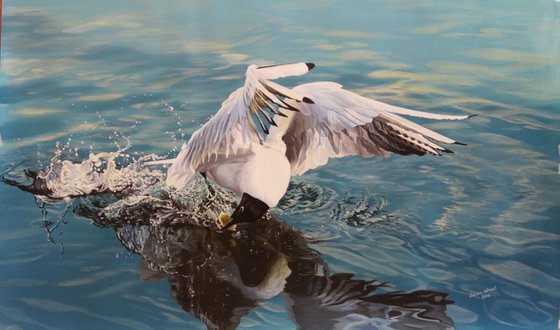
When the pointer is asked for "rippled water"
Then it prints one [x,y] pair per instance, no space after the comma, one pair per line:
[90,238]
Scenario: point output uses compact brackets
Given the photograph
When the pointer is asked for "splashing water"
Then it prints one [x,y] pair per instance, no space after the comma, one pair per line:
[99,173]
[52,210]
[113,188]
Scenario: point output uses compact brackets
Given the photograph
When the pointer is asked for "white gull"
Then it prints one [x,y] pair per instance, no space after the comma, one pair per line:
[264,133]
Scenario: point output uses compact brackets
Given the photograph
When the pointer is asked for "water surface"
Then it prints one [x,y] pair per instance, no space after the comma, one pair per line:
[136,78]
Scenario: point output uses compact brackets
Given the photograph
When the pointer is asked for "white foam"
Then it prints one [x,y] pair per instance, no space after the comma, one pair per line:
[99,172]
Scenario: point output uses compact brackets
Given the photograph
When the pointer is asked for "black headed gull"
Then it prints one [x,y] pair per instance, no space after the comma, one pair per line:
[264,133]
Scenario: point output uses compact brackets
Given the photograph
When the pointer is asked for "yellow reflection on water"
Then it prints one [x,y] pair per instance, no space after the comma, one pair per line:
[38,111]
[101,97]
[120,21]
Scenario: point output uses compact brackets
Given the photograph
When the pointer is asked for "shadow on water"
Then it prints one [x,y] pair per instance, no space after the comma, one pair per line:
[220,277]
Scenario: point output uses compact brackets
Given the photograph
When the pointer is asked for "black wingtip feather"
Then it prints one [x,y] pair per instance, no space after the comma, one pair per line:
[310,66]
[473,115]
[459,143]
[308,100]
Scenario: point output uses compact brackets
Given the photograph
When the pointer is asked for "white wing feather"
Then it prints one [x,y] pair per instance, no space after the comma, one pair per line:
[285,70]
[232,130]
[341,123]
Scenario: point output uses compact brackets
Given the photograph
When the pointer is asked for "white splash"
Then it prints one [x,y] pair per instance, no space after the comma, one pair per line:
[98,173]
[117,188]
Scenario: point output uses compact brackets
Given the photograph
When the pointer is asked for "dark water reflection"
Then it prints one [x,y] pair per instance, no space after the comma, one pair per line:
[220,277]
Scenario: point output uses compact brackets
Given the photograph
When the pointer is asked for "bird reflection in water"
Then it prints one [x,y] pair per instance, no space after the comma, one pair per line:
[221,276]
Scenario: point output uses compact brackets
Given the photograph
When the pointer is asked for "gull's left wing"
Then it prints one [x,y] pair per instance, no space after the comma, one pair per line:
[233,129]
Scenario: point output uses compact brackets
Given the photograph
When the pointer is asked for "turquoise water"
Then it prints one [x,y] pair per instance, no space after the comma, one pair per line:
[472,239]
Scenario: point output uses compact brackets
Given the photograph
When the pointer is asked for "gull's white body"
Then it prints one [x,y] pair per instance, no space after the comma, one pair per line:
[310,124]
[251,173]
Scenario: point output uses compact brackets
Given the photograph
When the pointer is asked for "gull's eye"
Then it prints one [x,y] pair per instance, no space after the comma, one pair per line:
[242,208]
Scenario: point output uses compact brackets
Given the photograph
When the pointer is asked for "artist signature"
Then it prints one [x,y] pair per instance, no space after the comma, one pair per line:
[483,294]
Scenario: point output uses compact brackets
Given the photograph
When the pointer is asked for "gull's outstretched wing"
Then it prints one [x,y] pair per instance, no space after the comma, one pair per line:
[233,129]
[341,123]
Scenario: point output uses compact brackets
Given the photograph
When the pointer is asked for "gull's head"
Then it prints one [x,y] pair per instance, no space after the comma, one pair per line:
[249,209]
